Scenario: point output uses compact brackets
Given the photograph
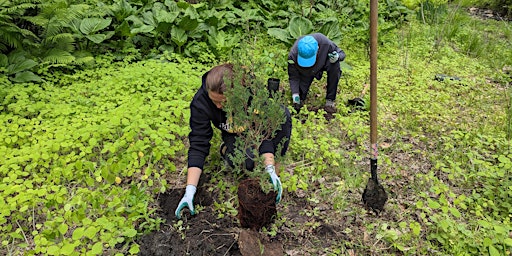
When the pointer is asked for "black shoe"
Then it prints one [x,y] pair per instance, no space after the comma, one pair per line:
[297,107]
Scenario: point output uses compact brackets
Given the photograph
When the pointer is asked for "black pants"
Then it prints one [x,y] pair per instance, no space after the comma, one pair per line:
[282,138]
[333,76]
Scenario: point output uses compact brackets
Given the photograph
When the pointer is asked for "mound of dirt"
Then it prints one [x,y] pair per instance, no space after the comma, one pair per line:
[207,233]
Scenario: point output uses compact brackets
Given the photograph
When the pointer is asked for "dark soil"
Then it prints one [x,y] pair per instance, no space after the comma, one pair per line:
[256,209]
[206,234]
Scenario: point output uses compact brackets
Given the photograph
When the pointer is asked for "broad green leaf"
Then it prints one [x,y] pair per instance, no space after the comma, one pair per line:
[90,26]
[433,204]
[63,228]
[188,23]
[493,251]
[142,29]
[134,249]
[26,76]
[508,241]
[299,26]
[52,250]
[78,233]
[149,19]
[281,34]
[97,38]
[331,30]
[67,249]
[91,232]
[97,248]
[21,66]
[130,232]
[178,36]
[164,16]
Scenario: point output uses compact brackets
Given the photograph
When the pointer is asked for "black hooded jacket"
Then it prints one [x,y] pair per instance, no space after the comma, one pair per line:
[203,115]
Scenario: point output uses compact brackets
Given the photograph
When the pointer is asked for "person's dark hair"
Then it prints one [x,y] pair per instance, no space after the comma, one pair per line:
[218,77]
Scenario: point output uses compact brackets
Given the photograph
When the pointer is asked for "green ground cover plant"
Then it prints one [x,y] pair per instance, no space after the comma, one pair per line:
[85,153]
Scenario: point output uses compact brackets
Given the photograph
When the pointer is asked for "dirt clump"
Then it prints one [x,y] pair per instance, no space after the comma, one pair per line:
[256,208]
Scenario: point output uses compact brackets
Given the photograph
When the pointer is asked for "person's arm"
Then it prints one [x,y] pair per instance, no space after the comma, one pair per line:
[199,139]
[270,168]
[193,175]
[293,78]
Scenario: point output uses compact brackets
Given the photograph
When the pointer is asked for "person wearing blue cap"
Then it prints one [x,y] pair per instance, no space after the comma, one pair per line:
[308,58]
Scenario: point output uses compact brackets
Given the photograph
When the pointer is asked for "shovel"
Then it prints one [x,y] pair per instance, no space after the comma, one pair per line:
[374,195]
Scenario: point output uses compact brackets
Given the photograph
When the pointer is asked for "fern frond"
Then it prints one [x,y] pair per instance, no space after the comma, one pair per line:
[64,41]
[58,56]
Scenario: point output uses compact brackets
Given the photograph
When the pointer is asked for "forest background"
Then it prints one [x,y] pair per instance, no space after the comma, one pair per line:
[94,99]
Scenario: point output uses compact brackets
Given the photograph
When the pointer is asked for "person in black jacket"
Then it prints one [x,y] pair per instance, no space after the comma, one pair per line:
[308,58]
[205,111]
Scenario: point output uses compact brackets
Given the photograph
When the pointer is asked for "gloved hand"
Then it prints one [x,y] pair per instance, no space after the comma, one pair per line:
[186,201]
[271,170]
[333,56]
[296,102]
[296,98]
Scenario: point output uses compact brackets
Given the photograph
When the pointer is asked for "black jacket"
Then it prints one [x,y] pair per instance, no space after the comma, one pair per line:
[204,114]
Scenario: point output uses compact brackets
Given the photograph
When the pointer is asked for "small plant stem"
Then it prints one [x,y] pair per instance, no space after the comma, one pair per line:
[22,232]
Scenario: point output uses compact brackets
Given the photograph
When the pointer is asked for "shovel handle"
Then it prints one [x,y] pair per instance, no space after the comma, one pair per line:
[373,169]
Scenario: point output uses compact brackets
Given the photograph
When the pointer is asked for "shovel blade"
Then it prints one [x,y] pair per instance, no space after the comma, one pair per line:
[374,196]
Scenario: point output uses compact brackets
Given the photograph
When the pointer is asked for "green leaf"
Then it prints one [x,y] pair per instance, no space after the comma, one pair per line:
[4,61]
[433,204]
[331,30]
[281,34]
[164,16]
[134,249]
[299,26]
[91,232]
[508,241]
[21,66]
[97,248]
[26,76]
[142,29]
[188,23]
[178,36]
[130,232]
[52,250]
[455,212]
[78,233]
[97,38]
[90,26]
[493,251]
[63,228]
[67,249]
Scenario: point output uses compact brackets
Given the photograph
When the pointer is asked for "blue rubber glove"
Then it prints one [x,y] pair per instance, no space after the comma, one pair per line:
[271,170]
[187,201]
[333,56]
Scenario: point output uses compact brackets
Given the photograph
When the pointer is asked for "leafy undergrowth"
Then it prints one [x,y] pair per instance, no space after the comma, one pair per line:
[86,159]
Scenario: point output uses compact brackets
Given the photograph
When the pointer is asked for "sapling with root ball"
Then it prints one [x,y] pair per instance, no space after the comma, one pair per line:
[256,117]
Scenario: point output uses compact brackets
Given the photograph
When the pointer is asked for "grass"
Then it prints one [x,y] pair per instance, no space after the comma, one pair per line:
[97,143]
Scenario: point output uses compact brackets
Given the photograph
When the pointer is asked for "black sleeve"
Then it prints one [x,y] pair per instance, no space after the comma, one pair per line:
[199,137]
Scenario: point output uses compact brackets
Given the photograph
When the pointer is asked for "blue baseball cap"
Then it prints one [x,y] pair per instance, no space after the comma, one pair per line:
[307,48]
